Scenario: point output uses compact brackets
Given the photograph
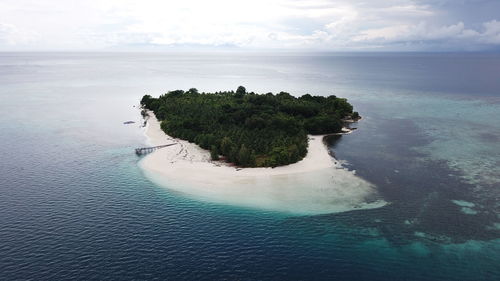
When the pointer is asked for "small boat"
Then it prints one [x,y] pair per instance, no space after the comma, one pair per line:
[128,122]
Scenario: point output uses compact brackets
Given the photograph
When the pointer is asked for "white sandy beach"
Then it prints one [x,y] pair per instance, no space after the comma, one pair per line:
[315,185]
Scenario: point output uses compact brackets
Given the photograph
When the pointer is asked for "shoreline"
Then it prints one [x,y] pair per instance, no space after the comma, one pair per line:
[187,168]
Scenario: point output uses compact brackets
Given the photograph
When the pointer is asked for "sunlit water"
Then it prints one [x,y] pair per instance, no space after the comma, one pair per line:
[75,205]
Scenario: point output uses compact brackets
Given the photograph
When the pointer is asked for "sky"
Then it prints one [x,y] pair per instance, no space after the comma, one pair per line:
[343,25]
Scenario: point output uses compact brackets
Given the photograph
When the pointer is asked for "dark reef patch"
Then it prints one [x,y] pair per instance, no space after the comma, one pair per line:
[420,190]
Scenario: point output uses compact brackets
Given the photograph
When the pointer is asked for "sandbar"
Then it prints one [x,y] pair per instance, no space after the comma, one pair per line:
[318,184]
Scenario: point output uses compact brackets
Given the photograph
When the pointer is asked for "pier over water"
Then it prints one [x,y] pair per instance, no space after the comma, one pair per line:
[145,150]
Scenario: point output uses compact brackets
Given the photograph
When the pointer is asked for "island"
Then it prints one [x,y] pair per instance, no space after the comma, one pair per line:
[249,150]
[249,129]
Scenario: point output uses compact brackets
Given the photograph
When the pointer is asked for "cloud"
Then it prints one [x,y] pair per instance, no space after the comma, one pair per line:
[417,32]
[11,35]
[491,32]
[311,24]
[422,32]
[7,33]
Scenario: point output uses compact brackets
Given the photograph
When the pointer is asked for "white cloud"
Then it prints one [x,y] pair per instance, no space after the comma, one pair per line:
[404,32]
[11,35]
[344,19]
[317,24]
[491,33]
[423,32]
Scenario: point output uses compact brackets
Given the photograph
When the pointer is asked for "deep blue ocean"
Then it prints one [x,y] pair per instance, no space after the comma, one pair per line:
[75,206]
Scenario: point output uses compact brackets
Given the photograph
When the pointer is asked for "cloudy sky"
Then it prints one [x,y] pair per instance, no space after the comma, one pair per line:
[343,25]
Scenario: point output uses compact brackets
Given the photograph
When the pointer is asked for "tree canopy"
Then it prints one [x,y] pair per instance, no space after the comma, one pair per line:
[249,129]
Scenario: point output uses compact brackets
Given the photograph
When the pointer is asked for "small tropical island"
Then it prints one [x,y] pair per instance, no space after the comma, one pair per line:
[261,151]
[249,129]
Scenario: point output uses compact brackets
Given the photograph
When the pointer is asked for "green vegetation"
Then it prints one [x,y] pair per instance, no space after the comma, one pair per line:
[249,129]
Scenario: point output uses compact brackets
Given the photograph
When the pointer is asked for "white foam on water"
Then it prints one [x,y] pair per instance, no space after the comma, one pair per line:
[463,203]
[468,211]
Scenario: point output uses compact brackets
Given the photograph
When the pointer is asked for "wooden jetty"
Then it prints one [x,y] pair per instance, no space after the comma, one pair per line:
[145,150]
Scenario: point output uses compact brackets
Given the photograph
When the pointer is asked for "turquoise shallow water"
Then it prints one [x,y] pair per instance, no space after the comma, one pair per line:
[74,204]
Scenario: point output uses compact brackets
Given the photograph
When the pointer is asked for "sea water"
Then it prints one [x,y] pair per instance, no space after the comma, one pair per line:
[75,205]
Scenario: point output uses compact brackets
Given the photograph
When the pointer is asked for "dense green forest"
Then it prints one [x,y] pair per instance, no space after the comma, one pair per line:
[249,129]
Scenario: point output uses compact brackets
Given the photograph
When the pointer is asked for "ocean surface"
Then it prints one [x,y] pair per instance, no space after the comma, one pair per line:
[75,206]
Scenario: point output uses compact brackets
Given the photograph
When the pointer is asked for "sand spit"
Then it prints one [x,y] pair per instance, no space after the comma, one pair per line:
[315,185]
